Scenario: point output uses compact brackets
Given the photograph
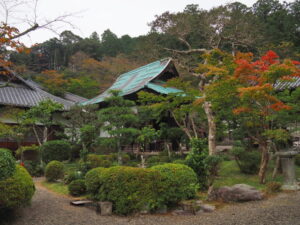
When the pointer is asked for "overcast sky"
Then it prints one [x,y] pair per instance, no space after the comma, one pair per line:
[120,16]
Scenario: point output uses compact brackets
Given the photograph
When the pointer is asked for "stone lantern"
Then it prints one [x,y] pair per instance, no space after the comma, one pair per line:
[287,158]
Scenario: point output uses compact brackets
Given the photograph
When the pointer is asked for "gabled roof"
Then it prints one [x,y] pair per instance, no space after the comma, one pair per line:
[26,94]
[136,80]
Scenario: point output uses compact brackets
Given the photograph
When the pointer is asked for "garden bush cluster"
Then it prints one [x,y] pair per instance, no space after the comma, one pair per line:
[135,189]
[59,150]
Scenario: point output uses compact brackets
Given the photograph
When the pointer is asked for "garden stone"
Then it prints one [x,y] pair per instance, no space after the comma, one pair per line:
[180,212]
[207,208]
[236,193]
[106,208]
[162,210]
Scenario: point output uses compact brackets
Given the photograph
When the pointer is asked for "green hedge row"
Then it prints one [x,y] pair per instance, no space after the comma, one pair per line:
[135,189]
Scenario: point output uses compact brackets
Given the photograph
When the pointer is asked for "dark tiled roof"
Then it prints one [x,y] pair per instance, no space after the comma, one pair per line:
[26,94]
[282,85]
[74,98]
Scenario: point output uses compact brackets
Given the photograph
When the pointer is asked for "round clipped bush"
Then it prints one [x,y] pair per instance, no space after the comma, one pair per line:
[94,180]
[17,190]
[54,171]
[59,150]
[77,187]
[178,182]
[7,164]
[129,189]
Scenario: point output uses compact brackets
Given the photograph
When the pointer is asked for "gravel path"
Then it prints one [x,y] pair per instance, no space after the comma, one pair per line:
[51,209]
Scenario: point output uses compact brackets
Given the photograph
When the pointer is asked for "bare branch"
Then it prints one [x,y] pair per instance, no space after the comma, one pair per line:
[190,51]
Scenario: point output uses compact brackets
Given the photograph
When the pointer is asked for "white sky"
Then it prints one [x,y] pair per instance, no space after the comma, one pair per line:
[120,16]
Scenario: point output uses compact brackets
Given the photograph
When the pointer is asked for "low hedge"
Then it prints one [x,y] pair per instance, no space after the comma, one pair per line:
[135,189]
[17,190]
[7,164]
[30,153]
[59,150]
[54,171]
[130,189]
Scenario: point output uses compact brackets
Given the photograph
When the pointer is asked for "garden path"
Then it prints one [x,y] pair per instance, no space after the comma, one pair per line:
[49,208]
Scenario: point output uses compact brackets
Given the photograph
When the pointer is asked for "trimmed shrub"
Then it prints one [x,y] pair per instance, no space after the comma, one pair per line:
[95,161]
[179,161]
[31,153]
[178,182]
[196,159]
[58,150]
[7,164]
[130,189]
[273,187]
[54,171]
[77,187]
[75,175]
[297,160]
[93,180]
[17,190]
[35,168]
[135,189]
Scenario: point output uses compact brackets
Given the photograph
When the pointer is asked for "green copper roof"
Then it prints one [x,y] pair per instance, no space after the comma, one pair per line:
[136,80]
[162,90]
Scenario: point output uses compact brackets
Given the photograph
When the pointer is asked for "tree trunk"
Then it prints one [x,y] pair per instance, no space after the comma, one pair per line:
[264,163]
[36,135]
[277,167]
[211,128]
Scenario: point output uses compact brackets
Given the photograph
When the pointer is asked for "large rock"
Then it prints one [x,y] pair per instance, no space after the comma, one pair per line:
[236,193]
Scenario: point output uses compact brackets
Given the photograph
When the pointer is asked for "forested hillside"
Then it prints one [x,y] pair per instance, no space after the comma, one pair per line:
[87,66]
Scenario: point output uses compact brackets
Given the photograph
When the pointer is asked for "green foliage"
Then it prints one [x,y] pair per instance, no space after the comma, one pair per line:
[248,161]
[196,160]
[59,150]
[35,168]
[146,136]
[178,182]
[54,171]
[130,189]
[155,160]
[94,180]
[273,187]
[74,175]
[135,189]
[17,190]
[119,120]
[28,152]
[77,187]
[7,164]
[297,160]
[95,161]
[179,161]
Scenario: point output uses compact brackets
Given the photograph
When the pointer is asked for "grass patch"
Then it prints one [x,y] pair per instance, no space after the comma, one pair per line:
[59,188]
[230,175]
